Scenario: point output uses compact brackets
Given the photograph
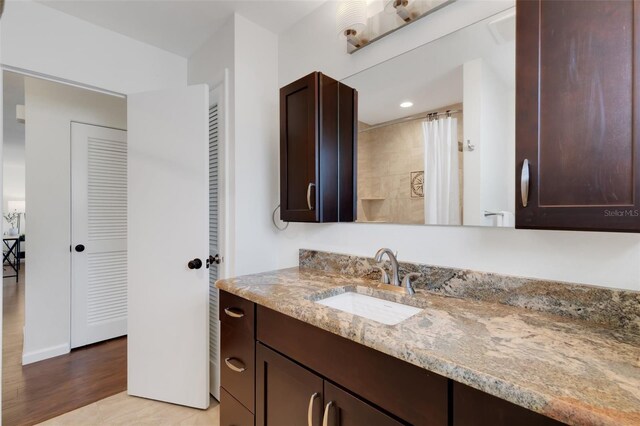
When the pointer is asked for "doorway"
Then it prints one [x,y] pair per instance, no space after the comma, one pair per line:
[42,376]
[172,128]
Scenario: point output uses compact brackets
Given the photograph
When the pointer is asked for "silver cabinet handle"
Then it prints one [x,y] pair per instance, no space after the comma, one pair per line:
[234,312]
[231,363]
[524,183]
[309,195]
[310,410]
[325,418]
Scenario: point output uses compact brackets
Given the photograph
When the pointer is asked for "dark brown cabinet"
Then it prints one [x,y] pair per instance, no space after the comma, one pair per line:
[233,413]
[413,394]
[318,123]
[288,394]
[293,372]
[237,353]
[474,408]
[577,115]
[345,409]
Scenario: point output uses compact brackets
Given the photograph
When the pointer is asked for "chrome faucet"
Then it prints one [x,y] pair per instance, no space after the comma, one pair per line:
[395,277]
[406,286]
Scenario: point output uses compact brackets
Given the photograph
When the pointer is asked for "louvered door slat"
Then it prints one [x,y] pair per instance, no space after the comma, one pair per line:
[99,222]
[214,325]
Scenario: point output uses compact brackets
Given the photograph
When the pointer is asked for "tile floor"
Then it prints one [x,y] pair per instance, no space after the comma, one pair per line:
[122,409]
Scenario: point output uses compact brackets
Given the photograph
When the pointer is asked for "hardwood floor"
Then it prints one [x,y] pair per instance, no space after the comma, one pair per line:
[46,389]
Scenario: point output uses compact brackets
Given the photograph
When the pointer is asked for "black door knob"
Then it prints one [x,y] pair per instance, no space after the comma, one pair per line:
[213,259]
[79,248]
[195,264]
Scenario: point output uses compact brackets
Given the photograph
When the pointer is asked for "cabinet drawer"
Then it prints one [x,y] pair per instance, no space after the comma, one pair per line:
[237,369]
[237,312]
[232,413]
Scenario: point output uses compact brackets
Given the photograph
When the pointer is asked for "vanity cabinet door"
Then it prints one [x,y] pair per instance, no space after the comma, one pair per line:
[298,150]
[318,122]
[347,410]
[577,115]
[472,407]
[286,393]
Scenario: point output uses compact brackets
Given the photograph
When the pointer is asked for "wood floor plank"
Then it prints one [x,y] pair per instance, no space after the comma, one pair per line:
[46,389]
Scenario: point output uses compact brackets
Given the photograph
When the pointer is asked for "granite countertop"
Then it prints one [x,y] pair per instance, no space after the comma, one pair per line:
[569,370]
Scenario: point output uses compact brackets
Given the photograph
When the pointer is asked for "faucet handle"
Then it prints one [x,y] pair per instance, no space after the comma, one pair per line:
[406,281]
[384,276]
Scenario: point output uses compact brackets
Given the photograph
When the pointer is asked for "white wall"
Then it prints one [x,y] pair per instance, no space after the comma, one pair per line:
[256,146]
[487,181]
[496,182]
[472,106]
[50,108]
[250,54]
[208,62]
[596,258]
[41,39]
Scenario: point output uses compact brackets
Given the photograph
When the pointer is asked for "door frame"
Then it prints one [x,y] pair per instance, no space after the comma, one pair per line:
[38,75]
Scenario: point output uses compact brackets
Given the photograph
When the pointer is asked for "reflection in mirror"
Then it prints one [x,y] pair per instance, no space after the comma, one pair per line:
[436,137]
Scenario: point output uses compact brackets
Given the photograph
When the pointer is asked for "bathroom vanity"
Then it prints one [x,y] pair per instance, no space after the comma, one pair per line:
[289,360]
[301,374]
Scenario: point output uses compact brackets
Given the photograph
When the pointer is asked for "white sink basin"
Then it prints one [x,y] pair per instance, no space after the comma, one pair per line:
[383,311]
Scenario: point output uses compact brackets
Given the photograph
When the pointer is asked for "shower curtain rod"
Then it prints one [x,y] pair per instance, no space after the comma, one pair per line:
[420,116]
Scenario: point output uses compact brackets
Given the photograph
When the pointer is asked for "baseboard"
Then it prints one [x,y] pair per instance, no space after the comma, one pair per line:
[46,353]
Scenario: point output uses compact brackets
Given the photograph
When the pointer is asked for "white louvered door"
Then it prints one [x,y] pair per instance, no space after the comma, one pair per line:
[214,322]
[98,234]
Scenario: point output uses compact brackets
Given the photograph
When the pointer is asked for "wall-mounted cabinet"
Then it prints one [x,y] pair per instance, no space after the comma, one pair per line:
[318,121]
[577,119]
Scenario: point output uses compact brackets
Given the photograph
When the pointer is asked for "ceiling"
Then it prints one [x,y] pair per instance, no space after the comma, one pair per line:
[182,26]
[13,132]
[431,76]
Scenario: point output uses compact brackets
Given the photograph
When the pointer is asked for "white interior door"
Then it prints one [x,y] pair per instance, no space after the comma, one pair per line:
[168,346]
[98,233]
[215,136]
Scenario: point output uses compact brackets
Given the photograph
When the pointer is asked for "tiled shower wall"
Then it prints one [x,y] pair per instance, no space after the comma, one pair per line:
[386,158]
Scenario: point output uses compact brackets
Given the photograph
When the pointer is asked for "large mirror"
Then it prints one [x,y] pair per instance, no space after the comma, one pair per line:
[436,136]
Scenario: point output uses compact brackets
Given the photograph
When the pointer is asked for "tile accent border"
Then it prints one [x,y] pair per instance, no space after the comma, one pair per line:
[605,306]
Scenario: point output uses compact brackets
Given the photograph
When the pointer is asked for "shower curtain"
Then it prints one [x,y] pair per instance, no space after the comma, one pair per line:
[441,181]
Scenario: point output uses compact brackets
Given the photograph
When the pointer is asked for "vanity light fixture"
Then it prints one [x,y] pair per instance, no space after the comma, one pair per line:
[406,104]
[352,22]
[401,7]
[363,22]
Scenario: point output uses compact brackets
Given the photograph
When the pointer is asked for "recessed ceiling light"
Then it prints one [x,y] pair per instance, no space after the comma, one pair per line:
[406,104]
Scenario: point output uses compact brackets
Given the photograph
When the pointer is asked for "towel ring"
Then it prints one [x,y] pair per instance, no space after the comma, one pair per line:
[273,219]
